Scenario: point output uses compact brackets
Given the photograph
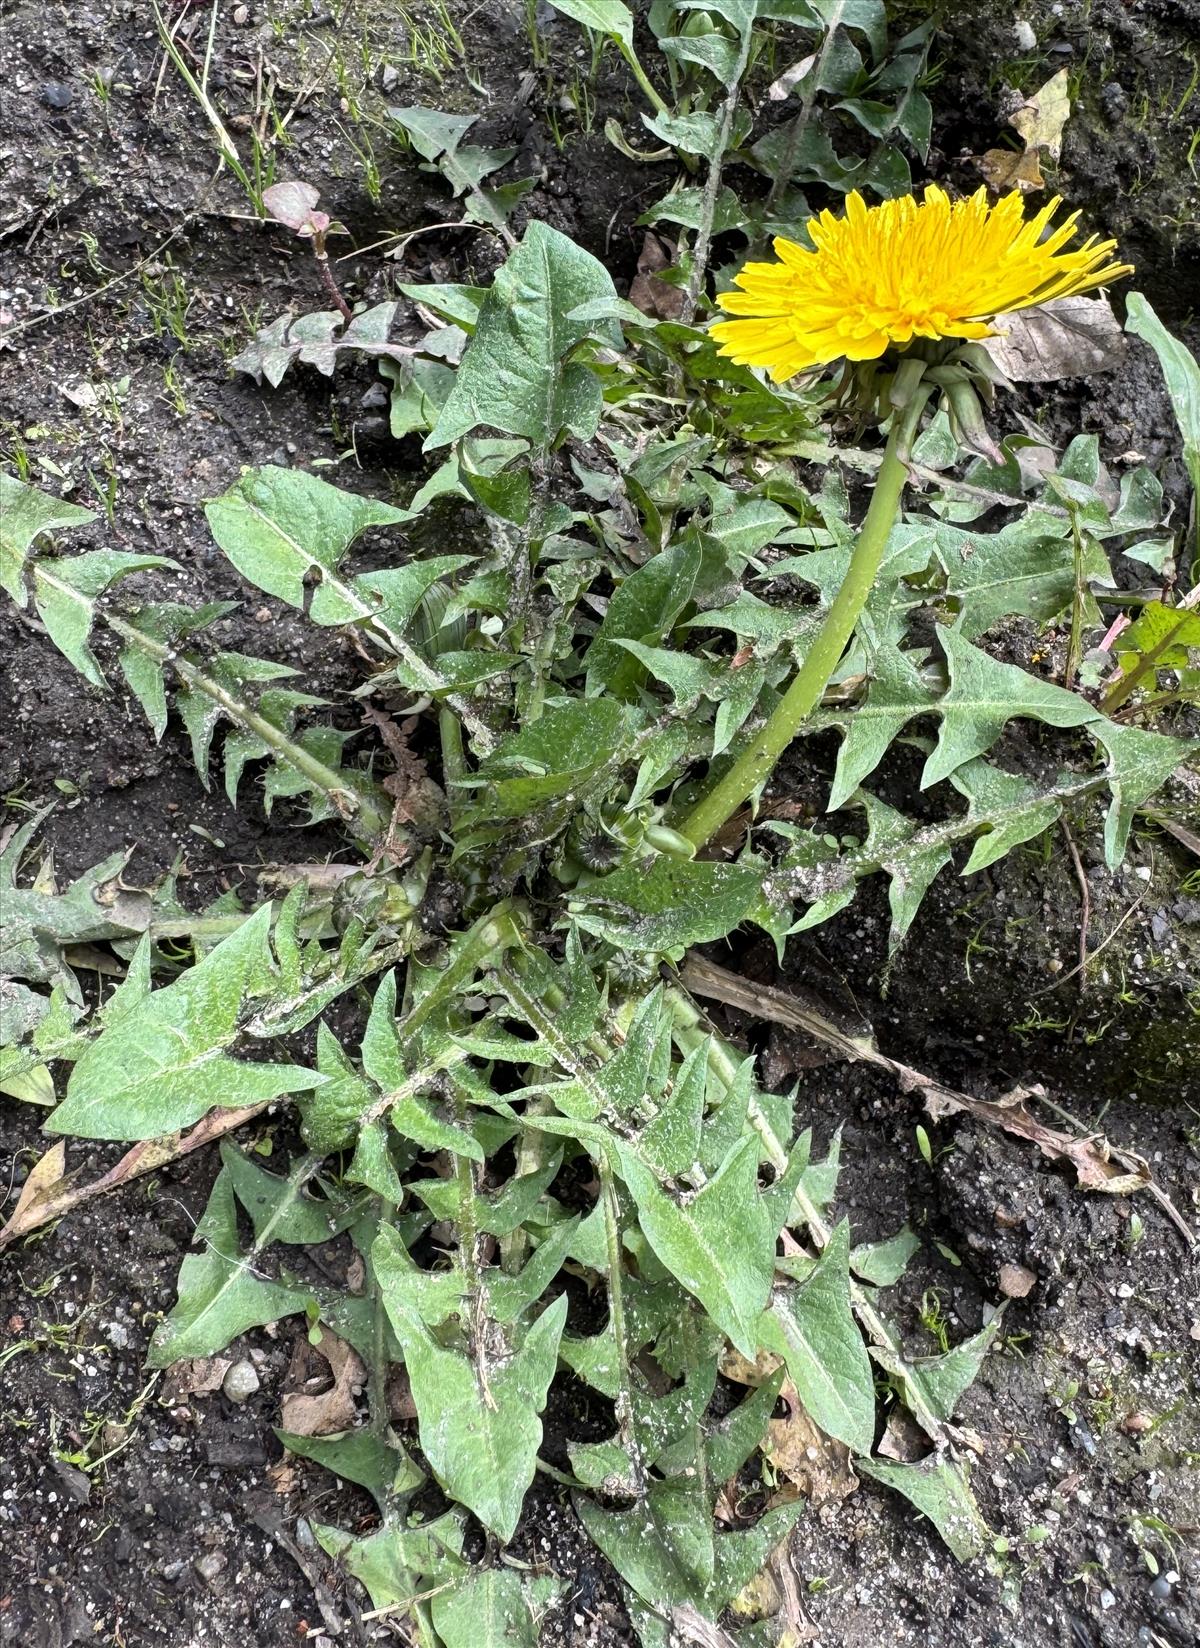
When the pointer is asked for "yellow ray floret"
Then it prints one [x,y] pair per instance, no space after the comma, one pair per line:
[884,275]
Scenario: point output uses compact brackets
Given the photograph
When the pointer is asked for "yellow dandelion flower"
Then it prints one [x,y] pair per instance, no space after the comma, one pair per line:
[887,274]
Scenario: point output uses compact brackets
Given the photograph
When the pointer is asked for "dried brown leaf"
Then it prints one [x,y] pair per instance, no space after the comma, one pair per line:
[1092,1157]
[142,1158]
[197,1376]
[284,1476]
[1098,1165]
[46,1181]
[797,1448]
[1068,338]
[744,1372]
[312,1406]
[400,1405]
[1039,121]
[655,297]
[1007,169]
[761,1599]
[1041,118]
[903,1438]
[815,1464]
[774,1593]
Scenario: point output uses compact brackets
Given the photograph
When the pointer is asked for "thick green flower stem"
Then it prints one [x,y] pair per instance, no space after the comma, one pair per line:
[754,765]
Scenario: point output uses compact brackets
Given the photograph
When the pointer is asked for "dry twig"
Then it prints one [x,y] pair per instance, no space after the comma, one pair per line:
[145,1157]
[1098,1165]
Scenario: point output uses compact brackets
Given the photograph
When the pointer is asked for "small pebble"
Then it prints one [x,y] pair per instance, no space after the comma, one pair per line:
[1024,36]
[1083,1439]
[57,96]
[1017,1281]
[1107,1600]
[241,1381]
[1161,1589]
[241,16]
[209,1566]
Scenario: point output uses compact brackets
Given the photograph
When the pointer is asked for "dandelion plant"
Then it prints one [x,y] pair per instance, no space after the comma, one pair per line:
[540,1157]
[904,280]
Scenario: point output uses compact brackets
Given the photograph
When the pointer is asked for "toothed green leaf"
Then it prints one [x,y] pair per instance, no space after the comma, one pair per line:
[1028,567]
[164,1064]
[813,1328]
[983,696]
[25,513]
[382,1468]
[280,527]
[668,904]
[718,1241]
[516,375]
[498,1608]
[478,1420]
[220,1291]
[399,1563]
[940,1491]
[1182,376]
[65,592]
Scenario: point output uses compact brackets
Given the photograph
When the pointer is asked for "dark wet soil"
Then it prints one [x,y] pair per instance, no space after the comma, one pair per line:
[135,276]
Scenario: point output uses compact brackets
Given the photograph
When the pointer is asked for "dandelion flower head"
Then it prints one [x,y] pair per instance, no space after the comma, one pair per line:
[884,275]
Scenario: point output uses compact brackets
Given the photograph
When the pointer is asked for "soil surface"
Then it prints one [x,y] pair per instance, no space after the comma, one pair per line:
[133,274]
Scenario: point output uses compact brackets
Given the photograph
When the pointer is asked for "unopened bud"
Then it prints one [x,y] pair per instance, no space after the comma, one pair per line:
[967,421]
[668,841]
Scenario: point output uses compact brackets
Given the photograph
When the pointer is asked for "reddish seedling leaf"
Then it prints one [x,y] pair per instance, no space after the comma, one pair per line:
[294,205]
